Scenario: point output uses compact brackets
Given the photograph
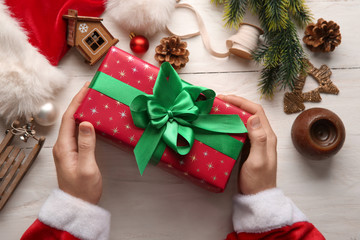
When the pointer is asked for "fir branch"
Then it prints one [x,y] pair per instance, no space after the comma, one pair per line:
[268,81]
[281,54]
[276,13]
[273,55]
[234,12]
[292,56]
[218,2]
[254,5]
[300,12]
[260,53]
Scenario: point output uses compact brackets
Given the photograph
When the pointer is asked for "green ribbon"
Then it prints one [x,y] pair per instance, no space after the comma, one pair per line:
[173,111]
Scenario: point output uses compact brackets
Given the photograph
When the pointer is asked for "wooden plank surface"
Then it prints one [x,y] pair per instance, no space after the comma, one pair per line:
[160,206]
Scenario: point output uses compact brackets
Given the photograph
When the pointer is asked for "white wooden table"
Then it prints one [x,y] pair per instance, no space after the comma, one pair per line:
[162,207]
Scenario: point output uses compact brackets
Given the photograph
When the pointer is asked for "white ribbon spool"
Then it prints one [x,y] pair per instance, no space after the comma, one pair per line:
[242,44]
[245,41]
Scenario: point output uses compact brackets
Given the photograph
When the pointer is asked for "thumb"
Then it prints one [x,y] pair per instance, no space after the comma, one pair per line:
[86,143]
[258,138]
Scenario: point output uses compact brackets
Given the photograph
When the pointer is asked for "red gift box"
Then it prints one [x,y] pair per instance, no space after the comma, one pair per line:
[203,165]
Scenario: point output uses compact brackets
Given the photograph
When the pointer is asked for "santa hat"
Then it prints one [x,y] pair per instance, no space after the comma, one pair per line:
[33,40]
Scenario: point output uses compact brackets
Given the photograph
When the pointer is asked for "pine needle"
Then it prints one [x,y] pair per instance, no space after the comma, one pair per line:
[218,2]
[276,14]
[300,13]
[234,12]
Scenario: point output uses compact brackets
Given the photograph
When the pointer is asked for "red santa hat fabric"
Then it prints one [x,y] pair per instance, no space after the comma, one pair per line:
[42,20]
[33,40]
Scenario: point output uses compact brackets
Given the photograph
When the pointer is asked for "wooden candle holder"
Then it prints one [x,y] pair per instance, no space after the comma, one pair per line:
[318,133]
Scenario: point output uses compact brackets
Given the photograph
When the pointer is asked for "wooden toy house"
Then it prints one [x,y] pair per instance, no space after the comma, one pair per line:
[89,36]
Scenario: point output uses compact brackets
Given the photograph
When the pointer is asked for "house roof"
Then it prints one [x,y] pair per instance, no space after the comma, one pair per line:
[72,14]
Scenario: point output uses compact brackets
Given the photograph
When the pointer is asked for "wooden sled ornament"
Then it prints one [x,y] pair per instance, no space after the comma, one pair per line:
[12,164]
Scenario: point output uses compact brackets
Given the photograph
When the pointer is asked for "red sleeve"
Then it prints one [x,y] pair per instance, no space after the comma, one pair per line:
[270,215]
[38,230]
[64,217]
[299,230]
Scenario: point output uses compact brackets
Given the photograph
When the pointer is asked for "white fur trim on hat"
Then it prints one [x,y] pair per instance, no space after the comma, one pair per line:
[75,216]
[264,211]
[27,79]
[143,17]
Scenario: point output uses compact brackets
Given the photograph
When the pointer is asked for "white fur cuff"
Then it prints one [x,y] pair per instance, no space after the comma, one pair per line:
[264,211]
[75,216]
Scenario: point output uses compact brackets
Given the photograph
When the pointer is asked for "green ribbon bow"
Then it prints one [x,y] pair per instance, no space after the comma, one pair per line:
[173,111]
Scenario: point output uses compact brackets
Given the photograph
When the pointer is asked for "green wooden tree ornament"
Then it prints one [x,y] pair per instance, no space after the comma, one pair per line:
[281,53]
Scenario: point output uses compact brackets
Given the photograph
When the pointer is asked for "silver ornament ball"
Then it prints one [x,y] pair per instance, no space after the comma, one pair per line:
[47,114]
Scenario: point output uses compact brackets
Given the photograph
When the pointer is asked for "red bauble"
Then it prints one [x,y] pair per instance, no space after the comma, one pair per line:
[139,44]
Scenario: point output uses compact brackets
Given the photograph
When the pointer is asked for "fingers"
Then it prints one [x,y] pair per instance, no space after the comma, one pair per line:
[86,146]
[250,107]
[258,139]
[67,128]
[240,102]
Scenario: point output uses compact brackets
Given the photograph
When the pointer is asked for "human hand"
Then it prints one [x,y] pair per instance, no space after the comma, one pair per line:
[74,156]
[258,172]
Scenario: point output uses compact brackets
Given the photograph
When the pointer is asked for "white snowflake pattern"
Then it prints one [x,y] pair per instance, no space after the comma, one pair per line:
[83,27]
[132,138]
[122,74]
[216,109]
[115,130]
[93,111]
[205,154]
[146,66]
[105,65]
[106,106]
[210,166]
[98,123]
[118,103]
[122,114]
[117,61]
[134,69]
[110,118]
[193,158]
[127,126]
[151,77]
[130,58]
[89,98]
[226,173]
[138,81]
[214,178]
[81,115]
[227,105]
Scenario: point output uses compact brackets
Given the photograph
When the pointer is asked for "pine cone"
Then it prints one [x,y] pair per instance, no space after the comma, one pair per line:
[322,36]
[172,50]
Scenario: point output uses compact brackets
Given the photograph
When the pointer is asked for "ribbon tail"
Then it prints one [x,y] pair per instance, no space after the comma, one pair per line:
[146,146]
[220,123]
[220,142]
